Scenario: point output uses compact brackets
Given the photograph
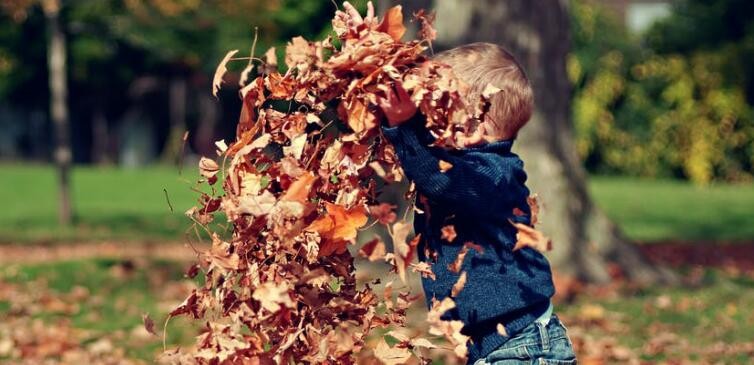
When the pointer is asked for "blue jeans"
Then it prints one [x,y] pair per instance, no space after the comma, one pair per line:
[542,342]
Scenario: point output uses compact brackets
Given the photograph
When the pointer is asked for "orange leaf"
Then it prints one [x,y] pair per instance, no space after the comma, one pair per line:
[449,233]
[359,117]
[458,286]
[445,166]
[392,23]
[530,237]
[299,189]
[455,266]
[338,227]
[533,201]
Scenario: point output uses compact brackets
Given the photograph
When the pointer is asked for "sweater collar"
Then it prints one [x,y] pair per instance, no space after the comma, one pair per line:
[503,146]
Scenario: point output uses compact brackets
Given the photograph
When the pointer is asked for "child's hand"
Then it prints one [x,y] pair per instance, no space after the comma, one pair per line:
[353,19]
[397,106]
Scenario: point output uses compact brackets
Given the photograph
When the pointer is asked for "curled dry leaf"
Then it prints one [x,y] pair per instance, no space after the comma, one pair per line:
[220,71]
[208,168]
[455,266]
[458,286]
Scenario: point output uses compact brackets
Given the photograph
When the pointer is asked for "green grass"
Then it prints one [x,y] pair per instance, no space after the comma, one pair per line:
[122,204]
[650,210]
[110,203]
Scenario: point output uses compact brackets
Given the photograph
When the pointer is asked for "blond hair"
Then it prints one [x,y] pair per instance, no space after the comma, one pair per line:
[480,64]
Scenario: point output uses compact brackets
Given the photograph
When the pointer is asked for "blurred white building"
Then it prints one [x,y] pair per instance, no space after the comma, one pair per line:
[639,15]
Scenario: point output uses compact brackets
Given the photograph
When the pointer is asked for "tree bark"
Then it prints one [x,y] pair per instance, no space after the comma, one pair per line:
[56,62]
[586,242]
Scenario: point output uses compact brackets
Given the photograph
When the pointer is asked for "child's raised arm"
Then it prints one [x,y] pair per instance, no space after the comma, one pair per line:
[478,184]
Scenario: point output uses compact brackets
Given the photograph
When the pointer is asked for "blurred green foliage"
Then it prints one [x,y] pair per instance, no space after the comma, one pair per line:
[675,102]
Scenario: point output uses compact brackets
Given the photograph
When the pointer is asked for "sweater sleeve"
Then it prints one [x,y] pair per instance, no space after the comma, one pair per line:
[472,186]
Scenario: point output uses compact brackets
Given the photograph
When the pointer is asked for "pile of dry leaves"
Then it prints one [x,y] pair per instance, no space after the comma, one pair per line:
[297,185]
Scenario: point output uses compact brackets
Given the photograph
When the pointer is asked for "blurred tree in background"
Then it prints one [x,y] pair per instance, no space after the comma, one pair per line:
[139,72]
[675,101]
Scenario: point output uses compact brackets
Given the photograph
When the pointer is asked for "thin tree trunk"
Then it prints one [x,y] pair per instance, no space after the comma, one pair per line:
[586,242]
[101,136]
[177,91]
[56,61]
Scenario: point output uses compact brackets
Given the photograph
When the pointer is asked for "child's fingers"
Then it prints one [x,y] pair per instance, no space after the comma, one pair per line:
[402,93]
[352,13]
[370,14]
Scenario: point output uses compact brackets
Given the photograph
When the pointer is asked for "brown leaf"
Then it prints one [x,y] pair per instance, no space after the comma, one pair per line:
[424,269]
[474,246]
[530,237]
[148,323]
[373,250]
[455,266]
[208,168]
[445,166]
[391,355]
[383,213]
[533,201]
[392,23]
[449,233]
[273,296]
[300,189]
[220,71]
[458,286]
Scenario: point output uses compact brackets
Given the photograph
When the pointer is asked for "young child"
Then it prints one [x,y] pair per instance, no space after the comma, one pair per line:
[478,196]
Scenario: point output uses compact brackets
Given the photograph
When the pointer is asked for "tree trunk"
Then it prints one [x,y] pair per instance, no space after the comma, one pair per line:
[586,242]
[177,95]
[56,62]
[101,138]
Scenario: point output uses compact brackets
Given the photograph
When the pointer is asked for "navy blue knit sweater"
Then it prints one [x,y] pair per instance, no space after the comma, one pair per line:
[477,196]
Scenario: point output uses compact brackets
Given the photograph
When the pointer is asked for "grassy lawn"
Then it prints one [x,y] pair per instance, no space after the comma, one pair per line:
[98,301]
[110,203]
[650,210]
[124,205]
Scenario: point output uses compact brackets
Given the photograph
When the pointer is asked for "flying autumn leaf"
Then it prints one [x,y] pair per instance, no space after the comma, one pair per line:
[273,296]
[533,201]
[392,23]
[299,190]
[148,323]
[455,266]
[449,233]
[530,237]
[338,226]
[220,71]
[208,168]
[458,286]
[383,213]
[373,250]
[391,355]
[445,166]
